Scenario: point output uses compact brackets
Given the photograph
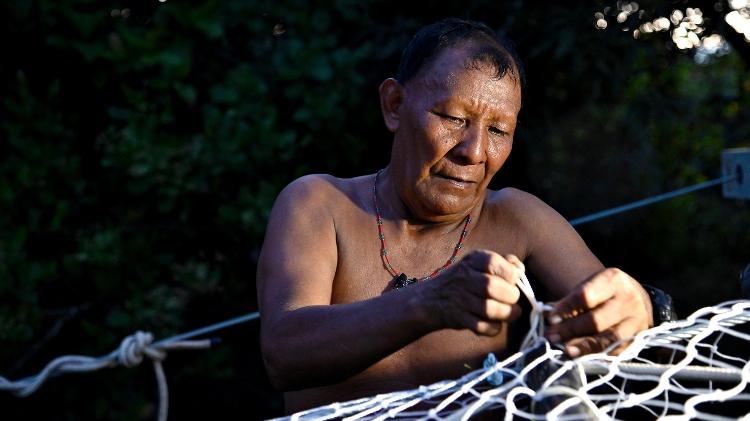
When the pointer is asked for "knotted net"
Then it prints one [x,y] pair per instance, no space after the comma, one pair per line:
[692,368]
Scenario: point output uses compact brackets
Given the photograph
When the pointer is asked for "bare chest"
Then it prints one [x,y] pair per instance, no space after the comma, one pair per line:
[361,275]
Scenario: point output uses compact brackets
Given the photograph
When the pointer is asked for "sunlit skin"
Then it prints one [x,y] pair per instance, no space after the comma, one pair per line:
[332,327]
[456,132]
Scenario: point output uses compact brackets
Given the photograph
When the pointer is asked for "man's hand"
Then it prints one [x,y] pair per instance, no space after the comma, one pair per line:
[477,293]
[607,307]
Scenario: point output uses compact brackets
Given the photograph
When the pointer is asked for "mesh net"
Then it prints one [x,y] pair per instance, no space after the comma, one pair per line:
[692,368]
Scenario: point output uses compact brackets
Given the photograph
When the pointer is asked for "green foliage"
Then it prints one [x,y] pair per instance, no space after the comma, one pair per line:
[660,125]
[143,148]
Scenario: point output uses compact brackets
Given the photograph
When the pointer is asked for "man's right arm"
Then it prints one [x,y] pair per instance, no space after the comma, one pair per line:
[307,341]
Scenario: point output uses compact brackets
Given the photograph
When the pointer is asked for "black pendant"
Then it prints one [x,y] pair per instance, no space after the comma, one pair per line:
[402,281]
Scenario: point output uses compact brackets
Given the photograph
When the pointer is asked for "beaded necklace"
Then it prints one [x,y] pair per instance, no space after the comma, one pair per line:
[401,280]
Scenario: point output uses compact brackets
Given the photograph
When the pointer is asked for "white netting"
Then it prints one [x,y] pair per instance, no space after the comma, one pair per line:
[693,368]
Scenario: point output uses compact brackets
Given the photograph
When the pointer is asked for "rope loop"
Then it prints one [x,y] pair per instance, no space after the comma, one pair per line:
[134,347]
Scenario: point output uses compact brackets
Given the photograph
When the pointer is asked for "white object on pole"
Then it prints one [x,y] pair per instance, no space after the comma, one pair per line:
[736,163]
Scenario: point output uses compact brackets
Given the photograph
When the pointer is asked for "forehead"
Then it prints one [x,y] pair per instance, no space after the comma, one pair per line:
[453,76]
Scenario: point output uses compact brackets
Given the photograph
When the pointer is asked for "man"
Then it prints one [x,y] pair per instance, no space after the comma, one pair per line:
[340,321]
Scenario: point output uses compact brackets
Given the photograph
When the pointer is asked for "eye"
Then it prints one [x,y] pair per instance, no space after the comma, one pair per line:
[496,131]
[457,121]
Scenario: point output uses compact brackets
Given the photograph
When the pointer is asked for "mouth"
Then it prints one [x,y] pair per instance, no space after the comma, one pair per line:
[456,180]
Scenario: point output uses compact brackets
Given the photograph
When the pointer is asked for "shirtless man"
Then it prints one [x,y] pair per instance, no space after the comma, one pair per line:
[334,328]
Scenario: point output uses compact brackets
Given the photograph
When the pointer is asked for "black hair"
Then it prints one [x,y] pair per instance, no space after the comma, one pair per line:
[488,47]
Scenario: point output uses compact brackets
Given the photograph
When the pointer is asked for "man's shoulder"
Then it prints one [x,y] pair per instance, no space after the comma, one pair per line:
[519,207]
[513,200]
[320,189]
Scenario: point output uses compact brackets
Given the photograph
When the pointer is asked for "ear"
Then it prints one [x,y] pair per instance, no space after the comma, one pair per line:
[391,98]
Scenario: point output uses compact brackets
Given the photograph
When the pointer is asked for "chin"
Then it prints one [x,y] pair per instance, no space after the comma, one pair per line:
[446,207]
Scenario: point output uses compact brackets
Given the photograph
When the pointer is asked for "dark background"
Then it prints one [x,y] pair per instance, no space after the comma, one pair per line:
[142,145]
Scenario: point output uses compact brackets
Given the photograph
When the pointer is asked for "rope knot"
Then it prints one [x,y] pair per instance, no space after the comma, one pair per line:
[134,347]
[496,378]
[536,318]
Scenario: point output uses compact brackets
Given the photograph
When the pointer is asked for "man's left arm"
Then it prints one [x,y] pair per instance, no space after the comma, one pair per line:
[596,306]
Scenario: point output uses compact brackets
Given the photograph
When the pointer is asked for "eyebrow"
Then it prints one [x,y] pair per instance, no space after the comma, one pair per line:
[497,114]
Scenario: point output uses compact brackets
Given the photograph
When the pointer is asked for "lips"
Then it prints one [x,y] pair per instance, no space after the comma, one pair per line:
[458,179]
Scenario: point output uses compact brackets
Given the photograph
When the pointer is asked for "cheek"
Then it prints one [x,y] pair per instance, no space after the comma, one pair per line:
[440,138]
[447,138]
[498,151]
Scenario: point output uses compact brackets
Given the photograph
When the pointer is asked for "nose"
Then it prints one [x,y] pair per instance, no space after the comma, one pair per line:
[470,149]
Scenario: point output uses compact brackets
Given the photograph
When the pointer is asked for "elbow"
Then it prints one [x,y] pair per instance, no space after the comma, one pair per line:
[278,367]
[286,367]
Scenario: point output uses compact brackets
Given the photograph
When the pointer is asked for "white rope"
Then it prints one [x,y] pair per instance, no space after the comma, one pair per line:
[599,386]
[536,318]
[130,353]
[686,373]
[505,384]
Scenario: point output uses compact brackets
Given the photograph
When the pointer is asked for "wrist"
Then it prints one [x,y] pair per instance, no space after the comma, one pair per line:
[423,305]
[662,305]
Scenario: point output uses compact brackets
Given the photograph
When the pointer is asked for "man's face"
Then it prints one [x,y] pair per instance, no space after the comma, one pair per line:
[454,132]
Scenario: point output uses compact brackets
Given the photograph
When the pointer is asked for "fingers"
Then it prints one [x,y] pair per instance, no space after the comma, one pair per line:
[508,268]
[479,292]
[617,336]
[481,286]
[515,261]
[591,344]
[492,310]
[479,326]
[607,308]
[492,275]
[499,289]
[495,310]
[599,319]
[489,323]
[459,308]
[586,296]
